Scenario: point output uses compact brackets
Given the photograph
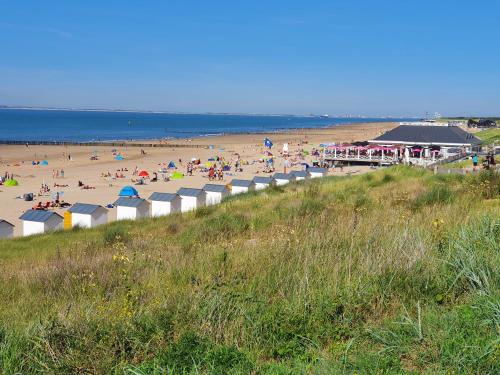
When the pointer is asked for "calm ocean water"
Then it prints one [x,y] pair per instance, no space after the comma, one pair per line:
[82,126]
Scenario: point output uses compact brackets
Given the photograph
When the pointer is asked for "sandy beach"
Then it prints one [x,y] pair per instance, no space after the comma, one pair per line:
[17,160]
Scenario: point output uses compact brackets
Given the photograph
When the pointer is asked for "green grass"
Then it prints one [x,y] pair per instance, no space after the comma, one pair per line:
[392,272]
[489,136]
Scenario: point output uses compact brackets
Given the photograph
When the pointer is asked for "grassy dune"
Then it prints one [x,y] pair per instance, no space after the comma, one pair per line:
[489,136]
[390,272]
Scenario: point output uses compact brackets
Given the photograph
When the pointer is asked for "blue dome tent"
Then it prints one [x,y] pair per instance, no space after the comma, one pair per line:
[171,165]
[128,191]
[45,162]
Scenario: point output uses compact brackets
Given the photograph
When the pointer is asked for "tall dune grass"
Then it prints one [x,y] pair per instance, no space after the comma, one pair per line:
[395,271]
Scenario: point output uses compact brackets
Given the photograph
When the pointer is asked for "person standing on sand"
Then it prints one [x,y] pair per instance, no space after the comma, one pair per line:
[286,164]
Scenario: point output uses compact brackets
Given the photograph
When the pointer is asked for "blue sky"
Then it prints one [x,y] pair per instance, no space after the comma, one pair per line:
[368,57]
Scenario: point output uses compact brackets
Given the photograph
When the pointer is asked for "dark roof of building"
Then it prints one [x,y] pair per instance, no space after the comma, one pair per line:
[262,180]
[189,192]
[163,197]
[283,176]
[420,134]
[6,222]
[84,208]
[129,202]
[40,216]
[316,170]
[242,183]
[299,173]
[214,188]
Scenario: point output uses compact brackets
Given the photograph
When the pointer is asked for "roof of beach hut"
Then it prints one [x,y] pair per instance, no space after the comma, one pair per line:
[189,192]
[262,180]
[84,208]
[163,197]
[214,188]
[317,170]
[2,221]
[241,183]
[40,216]
[129,201]
[283,176]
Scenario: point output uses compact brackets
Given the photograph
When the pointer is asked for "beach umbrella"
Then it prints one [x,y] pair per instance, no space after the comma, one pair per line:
[171,165]
[118,157]
[44,162]
[128,191]
[11,182]
[143,174]
[268,143]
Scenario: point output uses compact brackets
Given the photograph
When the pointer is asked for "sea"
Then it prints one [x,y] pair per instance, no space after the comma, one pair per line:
[104,126]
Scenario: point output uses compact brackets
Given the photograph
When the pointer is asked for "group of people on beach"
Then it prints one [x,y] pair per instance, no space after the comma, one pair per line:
[57,173]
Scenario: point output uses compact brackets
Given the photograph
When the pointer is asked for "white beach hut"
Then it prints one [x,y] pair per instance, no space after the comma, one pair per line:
[262,183]
[241,186]
[300,175]
[316,172]
[283,178]
[85,215]
[39,221]
[163,204]
[6,229]
[131,208]
[191,199]
[215,193]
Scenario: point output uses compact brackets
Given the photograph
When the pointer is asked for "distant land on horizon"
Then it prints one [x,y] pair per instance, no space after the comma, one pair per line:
[35,108]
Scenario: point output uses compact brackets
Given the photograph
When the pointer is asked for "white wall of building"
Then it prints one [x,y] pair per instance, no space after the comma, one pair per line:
[261,186]
[161,208]
[281,182]
[192,203]
[214,197]
[6,230]
[99,217]
[238,190]
[34,227]
[316,174]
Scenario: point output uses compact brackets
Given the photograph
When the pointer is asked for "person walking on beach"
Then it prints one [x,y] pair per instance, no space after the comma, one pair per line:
[475,161]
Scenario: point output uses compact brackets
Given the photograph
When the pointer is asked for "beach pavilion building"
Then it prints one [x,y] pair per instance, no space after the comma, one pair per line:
[191,199]
[262,182]
[40,221]
[241,186]
[283,178]
[163,204]
[85,215]
[215,193]
[316,172]
[426,144]
[131,208]
[6,229]
[300,175]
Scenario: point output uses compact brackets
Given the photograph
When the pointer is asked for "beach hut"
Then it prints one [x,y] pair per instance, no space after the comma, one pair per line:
[39,221]
[163,204]
[131,208]
[215,193]
[241,186]
[315,172]
[300,175]
[283,178]
[191,199]
[6,229]
[85,215]
[128,191]
[262,183]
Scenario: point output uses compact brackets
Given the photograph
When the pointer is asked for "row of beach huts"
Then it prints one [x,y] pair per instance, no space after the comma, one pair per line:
[85,215]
